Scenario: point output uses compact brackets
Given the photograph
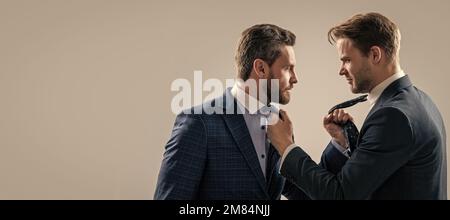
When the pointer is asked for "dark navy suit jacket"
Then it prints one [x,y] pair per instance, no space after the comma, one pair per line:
[212,157]
[400,154]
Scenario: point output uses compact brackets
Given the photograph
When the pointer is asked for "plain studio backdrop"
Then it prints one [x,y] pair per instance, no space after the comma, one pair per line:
[85,97]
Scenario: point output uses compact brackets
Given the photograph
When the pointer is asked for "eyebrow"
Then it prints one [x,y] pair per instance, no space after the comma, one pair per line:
[345,58]
[289,65]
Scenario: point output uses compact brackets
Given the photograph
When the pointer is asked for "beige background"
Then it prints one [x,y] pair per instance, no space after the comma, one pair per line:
[85,85]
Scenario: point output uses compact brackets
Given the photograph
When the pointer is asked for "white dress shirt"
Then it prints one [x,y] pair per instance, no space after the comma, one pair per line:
[256,116]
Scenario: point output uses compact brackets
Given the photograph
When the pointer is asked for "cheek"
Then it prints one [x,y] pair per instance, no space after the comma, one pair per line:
[278,74]
[284,80]
[351,69]
[283,77]
[348,67]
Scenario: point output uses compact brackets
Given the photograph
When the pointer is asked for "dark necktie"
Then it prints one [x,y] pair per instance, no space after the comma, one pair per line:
[350,129]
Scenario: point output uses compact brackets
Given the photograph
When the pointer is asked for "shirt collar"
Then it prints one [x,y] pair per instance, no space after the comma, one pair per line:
[375,93]
[251,104]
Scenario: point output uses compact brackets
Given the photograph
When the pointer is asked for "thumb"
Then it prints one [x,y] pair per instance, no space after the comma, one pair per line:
[284,116]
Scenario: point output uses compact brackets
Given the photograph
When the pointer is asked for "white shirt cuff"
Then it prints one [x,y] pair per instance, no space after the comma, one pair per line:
[343,150]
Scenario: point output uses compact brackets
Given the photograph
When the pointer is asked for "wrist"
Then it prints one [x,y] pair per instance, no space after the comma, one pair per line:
[285,146]
[341,142]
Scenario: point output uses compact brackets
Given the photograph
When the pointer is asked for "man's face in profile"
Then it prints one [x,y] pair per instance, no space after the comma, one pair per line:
[355,66]
[283,69]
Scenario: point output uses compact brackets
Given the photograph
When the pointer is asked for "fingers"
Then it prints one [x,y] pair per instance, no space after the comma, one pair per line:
[345,117]
[338,116]
[279,120]
[328,119]
[284,116]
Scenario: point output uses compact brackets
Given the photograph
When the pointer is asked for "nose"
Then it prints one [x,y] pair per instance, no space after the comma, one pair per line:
[342,71]
[294,77]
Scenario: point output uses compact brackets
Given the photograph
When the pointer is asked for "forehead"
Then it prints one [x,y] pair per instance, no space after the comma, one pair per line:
[346,47]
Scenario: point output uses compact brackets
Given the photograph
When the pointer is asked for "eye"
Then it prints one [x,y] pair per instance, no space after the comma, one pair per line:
[345,60]
[289,68]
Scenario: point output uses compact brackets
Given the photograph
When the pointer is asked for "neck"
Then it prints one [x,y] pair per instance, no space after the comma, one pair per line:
[393,68]
[251,88]
[255,92]
[386,72]
[259,95]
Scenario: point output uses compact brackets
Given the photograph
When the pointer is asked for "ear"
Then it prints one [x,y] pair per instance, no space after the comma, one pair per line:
[260,68]
[376,54]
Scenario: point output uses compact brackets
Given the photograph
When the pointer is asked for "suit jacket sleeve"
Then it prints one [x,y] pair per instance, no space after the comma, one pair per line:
[184,160]
[384,147]
[292,192]
[332,160]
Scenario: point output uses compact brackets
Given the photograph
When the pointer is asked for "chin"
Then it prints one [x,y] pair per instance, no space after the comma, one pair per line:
[285,99]
[354,89]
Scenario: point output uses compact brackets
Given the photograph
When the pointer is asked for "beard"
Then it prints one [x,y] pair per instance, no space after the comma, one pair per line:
[283,95]
[362,81]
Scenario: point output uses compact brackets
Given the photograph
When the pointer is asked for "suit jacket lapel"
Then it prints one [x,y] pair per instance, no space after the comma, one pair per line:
[239,131]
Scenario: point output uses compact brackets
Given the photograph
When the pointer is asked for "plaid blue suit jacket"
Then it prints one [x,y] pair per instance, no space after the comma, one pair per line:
[212,157]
